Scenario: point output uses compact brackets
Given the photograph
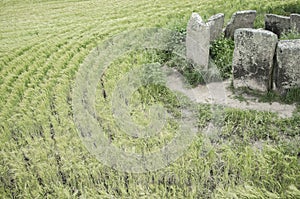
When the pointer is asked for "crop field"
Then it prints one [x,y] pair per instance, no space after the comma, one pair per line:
[44,51]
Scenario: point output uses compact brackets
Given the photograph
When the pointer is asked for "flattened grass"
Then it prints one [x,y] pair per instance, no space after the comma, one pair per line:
[43,43]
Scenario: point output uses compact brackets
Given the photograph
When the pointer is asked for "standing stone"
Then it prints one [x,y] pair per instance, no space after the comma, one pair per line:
[216,23]
[253,58]
[295,22]
[277,24]
[240,19]
[197,41]
[287,70]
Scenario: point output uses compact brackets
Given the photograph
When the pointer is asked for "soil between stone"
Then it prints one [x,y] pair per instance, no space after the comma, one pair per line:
[220,93]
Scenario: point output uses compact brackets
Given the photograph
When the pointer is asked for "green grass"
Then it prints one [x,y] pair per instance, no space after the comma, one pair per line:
[292,34]
[42,45]
[291,95]
[222,55]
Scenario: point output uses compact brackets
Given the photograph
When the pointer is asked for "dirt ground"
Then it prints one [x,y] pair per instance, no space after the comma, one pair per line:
[220,93]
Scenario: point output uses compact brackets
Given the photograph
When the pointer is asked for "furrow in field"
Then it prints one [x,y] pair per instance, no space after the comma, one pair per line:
[40,62]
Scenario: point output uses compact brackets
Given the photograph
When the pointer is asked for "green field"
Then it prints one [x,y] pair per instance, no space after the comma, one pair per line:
[42,46]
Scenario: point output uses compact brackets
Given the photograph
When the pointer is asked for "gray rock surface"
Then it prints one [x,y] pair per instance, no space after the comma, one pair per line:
[295,22]
[253,58]
[277,23]
[287,70]
[216,23]
[240,19]
[197,41]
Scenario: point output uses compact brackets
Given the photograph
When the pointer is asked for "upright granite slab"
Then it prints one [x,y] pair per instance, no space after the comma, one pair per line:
[277,24]
[216,23]
[287,70]
[253,58]
[197,41]
[295,22]
[240,19]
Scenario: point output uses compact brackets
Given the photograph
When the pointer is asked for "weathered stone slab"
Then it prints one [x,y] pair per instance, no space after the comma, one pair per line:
[295,22]
[216,23]
[253,58]
[287,70]
[240,19]
[197,41]
[277,23]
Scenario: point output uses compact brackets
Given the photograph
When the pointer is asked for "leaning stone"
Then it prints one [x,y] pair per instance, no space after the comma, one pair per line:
[197,41]
[216,23]
[253,58]
[241,19]
[295,22]
[287,70]
[277,24]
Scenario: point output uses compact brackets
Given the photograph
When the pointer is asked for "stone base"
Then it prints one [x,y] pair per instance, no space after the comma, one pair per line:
[287,70]
[253,58]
